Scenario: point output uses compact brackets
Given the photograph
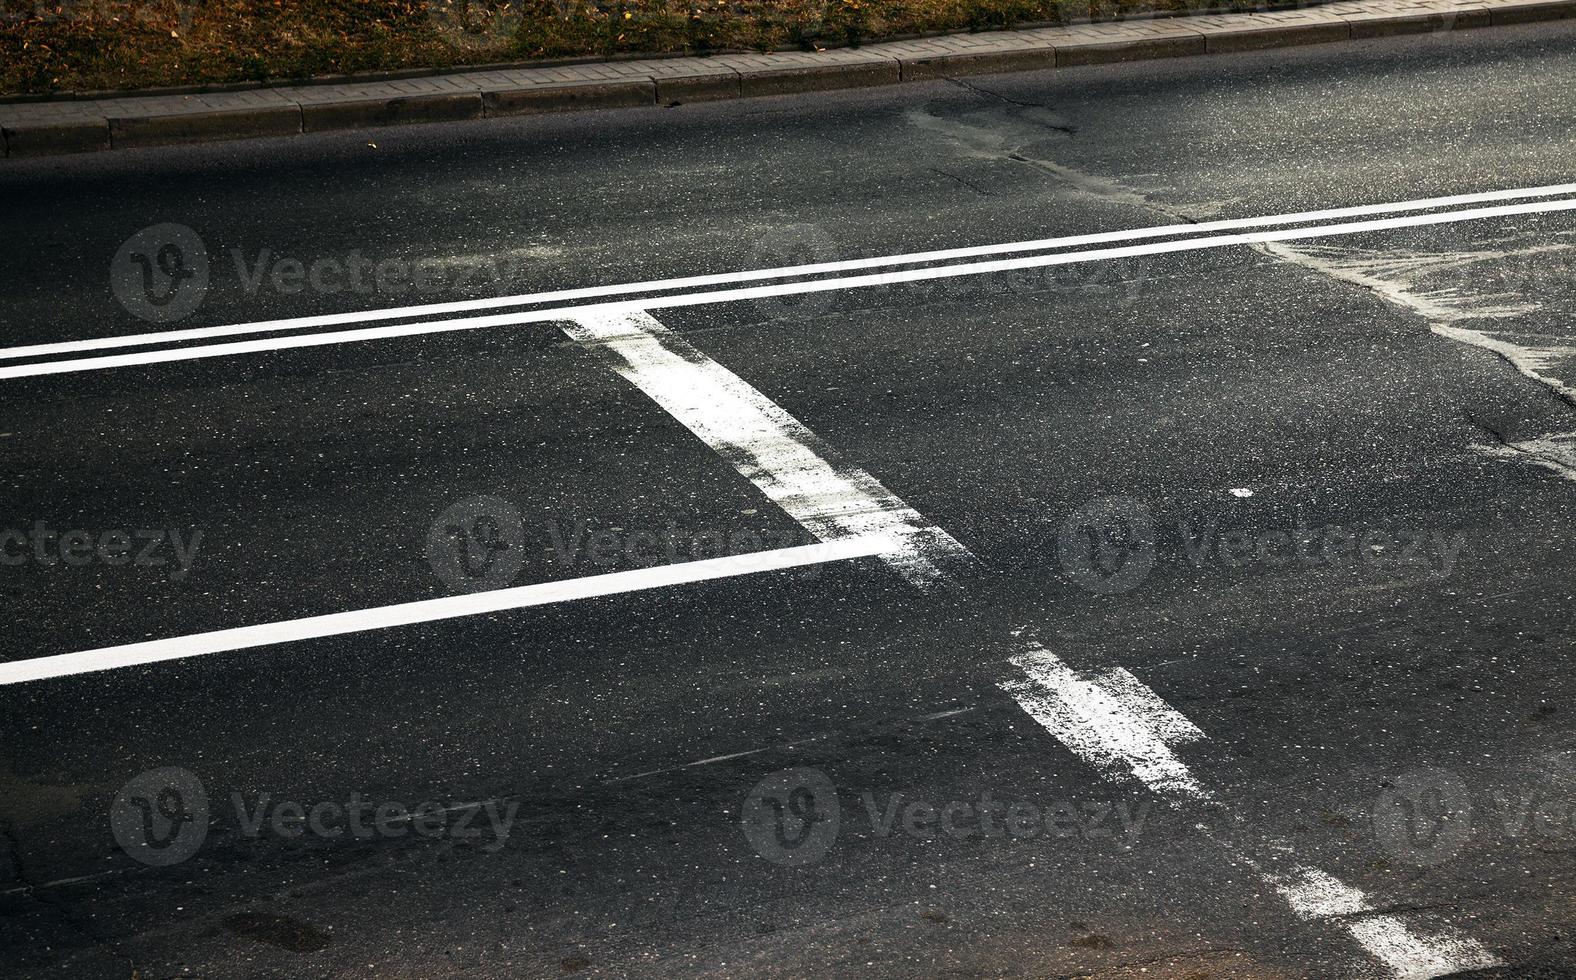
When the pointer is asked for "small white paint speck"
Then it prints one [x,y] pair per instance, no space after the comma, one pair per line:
[1241,492]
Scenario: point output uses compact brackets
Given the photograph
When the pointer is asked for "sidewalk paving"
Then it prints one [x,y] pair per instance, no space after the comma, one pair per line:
[76,125]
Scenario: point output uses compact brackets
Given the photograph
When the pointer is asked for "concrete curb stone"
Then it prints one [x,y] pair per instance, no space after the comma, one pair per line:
[56,137]
[1141,43]
[1290,28]
[318,115]
[512,100]
[39,128]
[201,126]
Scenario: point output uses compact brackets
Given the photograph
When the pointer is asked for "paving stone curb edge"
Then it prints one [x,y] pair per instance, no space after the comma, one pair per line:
[74,126]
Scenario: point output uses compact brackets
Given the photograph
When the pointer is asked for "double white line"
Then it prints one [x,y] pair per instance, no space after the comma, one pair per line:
[571,304]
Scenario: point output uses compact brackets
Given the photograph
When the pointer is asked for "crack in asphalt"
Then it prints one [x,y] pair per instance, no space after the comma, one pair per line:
[36,891]
[1171,958]
[966,183]
[982,90]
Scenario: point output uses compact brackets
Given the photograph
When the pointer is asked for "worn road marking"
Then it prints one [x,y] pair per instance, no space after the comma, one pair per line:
[1110,719]
[449,607]
[1400,279]
[780,289]
[769,447]
[1555,453]
[1114,722]
[818,268]
[1316,896]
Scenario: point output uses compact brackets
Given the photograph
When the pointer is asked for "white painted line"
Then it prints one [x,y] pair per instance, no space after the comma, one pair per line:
[449,607]
[1555,453]
[769,447]
[1314,895]
[818,268]
[1532,362]
[1401,279]
[1123,728]
[1111,720]
[780,289]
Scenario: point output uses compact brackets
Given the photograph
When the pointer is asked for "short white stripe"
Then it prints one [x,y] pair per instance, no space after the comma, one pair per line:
[769,447]
[1314,895]
[781,289]
[449,607]
[1111,720]
[717,279]
[1115,722]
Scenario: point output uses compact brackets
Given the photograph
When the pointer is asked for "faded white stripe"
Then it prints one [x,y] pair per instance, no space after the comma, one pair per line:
[1110,719]
[1120,726]
[428,610]
[769,447]
[1315,895]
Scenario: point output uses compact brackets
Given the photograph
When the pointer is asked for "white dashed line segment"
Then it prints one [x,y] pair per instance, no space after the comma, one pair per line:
[1110,719]
[1123,729]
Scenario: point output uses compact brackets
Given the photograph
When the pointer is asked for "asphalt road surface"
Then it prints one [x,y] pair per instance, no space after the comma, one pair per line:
[1162,580]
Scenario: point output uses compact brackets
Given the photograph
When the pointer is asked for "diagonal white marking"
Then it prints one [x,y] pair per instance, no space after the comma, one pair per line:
[1123,728]
[769,447]
[449,607]
[1110,719]
[1316,896]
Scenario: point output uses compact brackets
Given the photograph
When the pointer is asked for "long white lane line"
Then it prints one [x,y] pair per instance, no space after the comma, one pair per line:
[780,289]
[769,447]
[1123,729]
[784,272]
[449,607]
